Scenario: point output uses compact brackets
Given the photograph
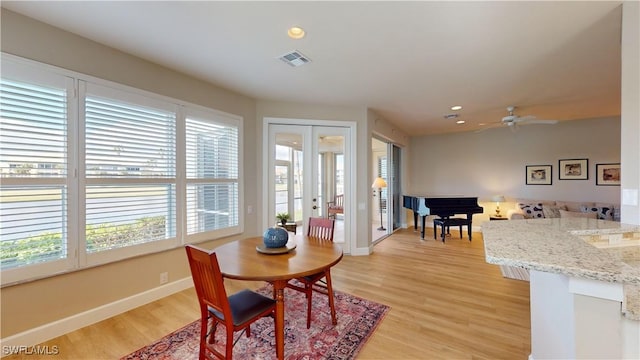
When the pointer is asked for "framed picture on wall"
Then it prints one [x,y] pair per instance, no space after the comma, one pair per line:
[608,174]
[538,174]
[573,169]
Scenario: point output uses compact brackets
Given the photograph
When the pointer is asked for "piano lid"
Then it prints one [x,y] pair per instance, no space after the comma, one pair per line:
[443,205]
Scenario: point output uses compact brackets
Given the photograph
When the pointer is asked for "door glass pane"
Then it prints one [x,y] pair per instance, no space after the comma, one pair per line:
[321,173]
[339,174]
[282,190]
[288,175]
[330,170]
[298,183]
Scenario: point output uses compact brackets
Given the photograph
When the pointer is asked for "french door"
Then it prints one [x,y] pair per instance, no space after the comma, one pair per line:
[308,165]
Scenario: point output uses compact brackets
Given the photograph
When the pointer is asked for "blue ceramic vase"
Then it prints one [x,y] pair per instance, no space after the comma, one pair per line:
[275,237]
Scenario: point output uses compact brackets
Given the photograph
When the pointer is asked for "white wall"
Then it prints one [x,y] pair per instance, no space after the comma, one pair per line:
[630,170]
[493,162]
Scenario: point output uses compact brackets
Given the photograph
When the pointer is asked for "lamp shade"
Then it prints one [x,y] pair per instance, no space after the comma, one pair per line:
[379,183]
[498,198]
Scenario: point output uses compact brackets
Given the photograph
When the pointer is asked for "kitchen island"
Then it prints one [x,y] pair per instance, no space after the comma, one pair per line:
[584,283]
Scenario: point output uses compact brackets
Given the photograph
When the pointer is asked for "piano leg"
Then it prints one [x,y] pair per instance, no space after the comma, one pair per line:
[422,228]
[415,221]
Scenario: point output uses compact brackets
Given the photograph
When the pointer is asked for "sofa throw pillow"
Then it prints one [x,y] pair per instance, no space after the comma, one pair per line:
[531,211]
[603,212]
[552,211]
[577,214]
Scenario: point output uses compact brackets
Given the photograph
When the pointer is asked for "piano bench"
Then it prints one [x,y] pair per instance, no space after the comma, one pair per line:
[445,223]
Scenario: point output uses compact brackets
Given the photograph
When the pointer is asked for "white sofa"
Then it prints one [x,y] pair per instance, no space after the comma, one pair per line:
[533,209]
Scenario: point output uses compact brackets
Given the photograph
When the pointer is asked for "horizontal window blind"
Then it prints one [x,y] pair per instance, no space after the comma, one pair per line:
[127,140]
[25,241]
[120,216]
[212,175]
[211,207]
[33,130]
[33,165]
[130,143]
[212,150]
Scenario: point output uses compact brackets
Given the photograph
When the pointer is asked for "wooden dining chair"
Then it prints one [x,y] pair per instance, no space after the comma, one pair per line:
[321,229]
[236,312]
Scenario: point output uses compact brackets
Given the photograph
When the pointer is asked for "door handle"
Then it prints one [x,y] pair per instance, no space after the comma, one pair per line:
[314,207]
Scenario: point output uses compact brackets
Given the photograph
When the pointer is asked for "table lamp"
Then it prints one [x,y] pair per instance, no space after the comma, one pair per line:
[379,183]
[498,199]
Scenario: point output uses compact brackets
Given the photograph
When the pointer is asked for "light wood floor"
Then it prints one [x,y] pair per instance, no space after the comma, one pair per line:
[446,303]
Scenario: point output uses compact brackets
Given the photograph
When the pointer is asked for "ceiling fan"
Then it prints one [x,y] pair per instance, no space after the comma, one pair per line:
[513,121]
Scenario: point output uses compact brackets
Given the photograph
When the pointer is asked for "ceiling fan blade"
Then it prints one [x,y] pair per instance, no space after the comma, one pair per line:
[539,122]
[524,118]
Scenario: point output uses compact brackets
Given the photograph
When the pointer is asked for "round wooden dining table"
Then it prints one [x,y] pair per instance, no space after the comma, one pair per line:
[242,261]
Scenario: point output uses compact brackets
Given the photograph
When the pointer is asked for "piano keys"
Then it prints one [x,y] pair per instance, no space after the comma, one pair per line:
[443,206]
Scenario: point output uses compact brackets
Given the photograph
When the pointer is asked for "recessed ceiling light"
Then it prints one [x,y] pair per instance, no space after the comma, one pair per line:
[296,32]
[456,107]
[460,122]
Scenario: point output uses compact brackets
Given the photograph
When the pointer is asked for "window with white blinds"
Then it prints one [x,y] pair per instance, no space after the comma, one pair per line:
[130,169]
[90,171]
[33,168]
[212,173]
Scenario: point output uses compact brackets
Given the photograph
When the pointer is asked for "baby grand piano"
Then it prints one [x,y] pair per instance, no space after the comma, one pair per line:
[443,206]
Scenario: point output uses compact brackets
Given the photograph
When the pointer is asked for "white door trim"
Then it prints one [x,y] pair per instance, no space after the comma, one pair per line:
[350,146]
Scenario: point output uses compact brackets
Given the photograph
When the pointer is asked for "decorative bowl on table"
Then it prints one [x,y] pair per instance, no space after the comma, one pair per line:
[275,237]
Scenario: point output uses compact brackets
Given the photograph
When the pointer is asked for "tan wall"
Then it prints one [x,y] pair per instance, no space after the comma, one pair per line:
[493,162]
[39,302]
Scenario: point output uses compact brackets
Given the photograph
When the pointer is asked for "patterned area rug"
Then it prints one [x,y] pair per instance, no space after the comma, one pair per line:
[357,320]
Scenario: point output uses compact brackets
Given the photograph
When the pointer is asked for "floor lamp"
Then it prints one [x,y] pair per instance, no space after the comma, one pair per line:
[379,183]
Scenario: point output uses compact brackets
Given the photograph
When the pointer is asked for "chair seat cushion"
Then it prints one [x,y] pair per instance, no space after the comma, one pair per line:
[245,305]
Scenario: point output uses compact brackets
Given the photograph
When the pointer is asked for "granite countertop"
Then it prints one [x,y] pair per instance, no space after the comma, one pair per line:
[585,248]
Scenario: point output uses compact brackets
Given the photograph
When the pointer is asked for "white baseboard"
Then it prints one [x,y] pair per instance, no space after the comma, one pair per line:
[362,251]
[63,326]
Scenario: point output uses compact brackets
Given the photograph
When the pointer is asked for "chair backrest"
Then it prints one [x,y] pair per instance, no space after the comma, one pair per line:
[321,228]
[339,200]
[208,281]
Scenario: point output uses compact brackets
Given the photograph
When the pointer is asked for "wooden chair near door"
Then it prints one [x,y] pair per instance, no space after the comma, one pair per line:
[237,312]
[320,229]
[335,207]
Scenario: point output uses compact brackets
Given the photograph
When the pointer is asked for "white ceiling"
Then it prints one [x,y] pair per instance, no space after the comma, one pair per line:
[408,61]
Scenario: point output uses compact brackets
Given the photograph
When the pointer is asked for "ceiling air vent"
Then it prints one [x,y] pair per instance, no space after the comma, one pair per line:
[294,58]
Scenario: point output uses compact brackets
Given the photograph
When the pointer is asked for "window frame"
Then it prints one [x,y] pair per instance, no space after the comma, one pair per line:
[218,117]
[26,70]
